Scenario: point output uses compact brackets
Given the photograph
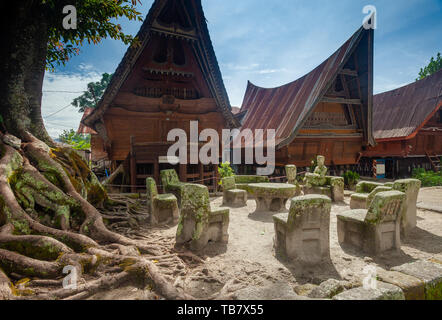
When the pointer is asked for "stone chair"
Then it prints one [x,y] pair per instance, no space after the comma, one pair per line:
[358,200]
[231,195]
[363,200]
[242,182]
[163,207]
[172,184]
[198,223]
[377,229]
[291,172]
[411,189]
[332,188]
[302,234]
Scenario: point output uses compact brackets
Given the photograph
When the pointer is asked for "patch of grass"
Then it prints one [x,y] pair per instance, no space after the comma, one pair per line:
[428,178]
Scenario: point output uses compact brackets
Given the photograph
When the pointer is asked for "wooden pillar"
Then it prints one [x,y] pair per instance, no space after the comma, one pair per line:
[183,172]
[215,178]
[201,169]
[133,166]
[156,171]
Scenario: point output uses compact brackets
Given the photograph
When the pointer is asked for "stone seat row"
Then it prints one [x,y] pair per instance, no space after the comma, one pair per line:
[187,205]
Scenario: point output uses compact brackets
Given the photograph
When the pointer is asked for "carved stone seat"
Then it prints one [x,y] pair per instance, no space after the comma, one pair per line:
[377,229]
[163,207]
[198,223]
[172,184]
[358,200]
[302,234]
[231,195]
[333,188]
[411,189]
[363,200]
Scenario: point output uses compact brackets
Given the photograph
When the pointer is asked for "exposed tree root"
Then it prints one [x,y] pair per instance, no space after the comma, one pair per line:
[5,286]
[48,220]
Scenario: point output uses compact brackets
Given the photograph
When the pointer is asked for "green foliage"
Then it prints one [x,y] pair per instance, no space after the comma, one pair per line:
[351,178]
[225,170]
[428,178]
[77,141]
[434,66]
[96,20]
[90,98]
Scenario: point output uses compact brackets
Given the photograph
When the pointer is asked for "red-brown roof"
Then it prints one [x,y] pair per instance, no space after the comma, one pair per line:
[286,108]
[83,129]
[400,113]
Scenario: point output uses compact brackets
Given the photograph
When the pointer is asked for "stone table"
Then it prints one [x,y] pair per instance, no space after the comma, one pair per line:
[272,196]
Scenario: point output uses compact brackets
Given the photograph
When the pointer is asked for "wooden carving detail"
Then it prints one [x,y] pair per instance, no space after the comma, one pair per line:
[178,93]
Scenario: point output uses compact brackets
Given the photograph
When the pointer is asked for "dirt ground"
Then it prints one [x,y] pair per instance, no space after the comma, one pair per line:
[249,256]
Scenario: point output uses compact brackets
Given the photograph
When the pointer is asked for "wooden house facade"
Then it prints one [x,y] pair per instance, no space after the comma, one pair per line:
[407,125]
[171,78]
[327,112]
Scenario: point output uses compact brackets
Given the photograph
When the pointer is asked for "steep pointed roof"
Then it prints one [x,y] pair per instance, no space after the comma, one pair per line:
[287,107]
[400,113]
[197,32]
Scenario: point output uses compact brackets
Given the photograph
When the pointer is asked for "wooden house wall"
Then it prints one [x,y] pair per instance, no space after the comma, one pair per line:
[330,132]
[428,139]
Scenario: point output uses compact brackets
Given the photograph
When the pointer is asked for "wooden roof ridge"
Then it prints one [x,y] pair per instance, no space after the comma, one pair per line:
[407,108]
[211,70]
[286,108]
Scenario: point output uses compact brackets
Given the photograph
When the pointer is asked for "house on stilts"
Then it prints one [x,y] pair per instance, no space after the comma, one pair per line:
[407,126]
[171,78]
[326,112]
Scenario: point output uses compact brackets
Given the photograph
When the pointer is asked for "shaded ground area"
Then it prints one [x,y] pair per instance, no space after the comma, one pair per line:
[249,260]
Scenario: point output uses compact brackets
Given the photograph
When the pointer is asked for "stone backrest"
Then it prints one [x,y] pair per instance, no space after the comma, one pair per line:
[305,210]
[195,207]
[367,186]
[151,190]
[169,177]
[386,206]
[375,192]
[411,189]
[290,172]
[228,183]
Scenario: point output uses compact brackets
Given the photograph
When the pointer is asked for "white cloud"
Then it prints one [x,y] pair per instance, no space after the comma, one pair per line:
[59,89]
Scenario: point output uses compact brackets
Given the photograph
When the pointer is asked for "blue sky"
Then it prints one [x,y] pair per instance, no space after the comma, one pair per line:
[272,42]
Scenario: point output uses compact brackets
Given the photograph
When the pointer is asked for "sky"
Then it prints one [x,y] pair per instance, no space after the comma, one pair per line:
[270,43]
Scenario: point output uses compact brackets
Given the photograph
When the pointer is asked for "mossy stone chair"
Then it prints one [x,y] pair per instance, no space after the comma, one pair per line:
[363,200]
[242,182]
[163,207]
[411,189]
[302,234]
[198,223]
[332,188]
[377,229]
[358,200]
[231,195]
[172,184]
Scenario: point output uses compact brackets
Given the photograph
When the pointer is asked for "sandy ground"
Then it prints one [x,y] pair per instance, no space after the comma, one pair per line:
[249,256]
[431,196]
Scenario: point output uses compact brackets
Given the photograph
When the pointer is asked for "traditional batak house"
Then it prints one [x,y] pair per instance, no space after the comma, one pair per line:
[171,78]
[326,112]
[407,125]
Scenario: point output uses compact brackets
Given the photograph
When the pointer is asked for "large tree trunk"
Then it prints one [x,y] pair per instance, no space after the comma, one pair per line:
[22,68]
